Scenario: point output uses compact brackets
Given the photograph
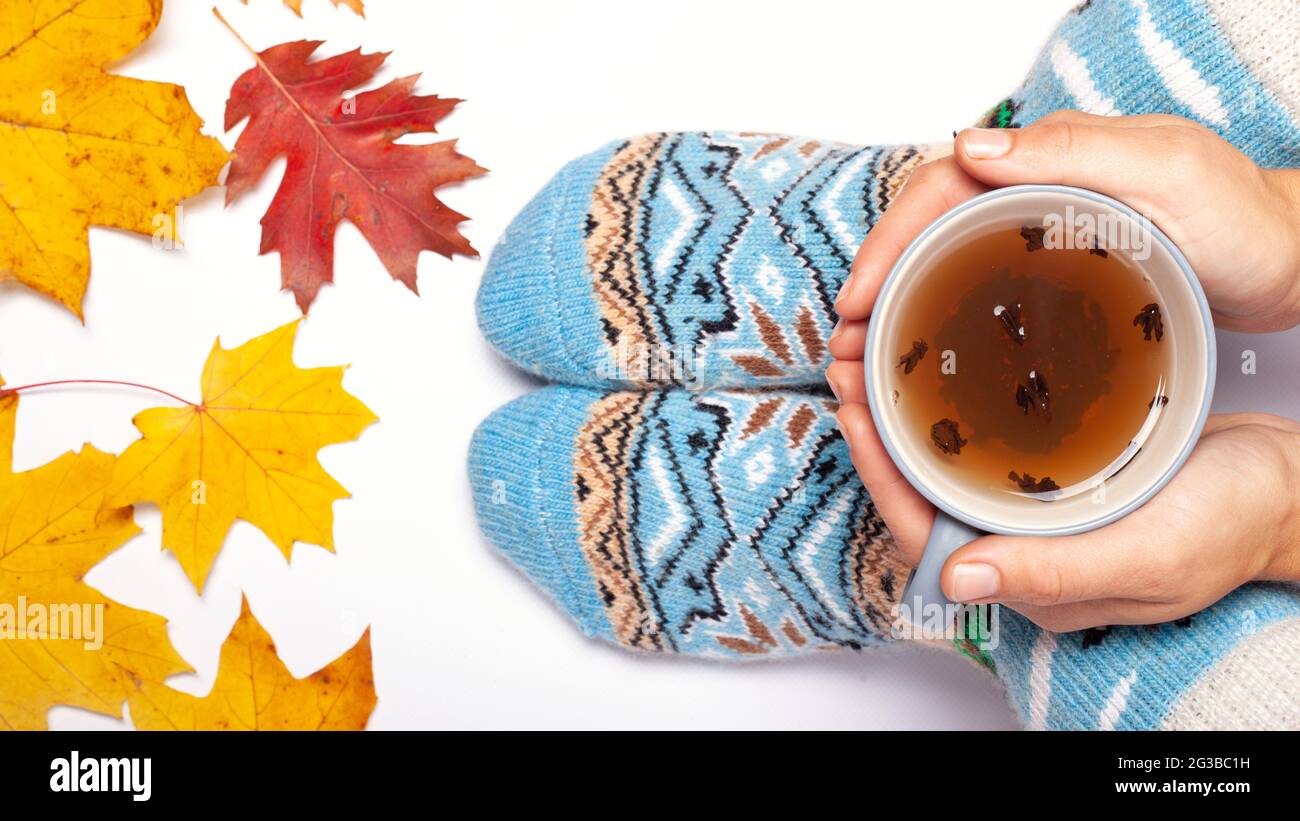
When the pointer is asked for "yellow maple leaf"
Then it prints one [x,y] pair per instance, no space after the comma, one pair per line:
[246,451]
[255,691]
[296,5]
[61,641]
[79,146]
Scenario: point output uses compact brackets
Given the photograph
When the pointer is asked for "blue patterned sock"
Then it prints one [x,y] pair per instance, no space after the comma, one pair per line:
[698,259]
[1232,65]
[730,524]
[1234,665]
[725,524]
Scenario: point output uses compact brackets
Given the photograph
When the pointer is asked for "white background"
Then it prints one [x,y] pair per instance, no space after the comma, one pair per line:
[461,640]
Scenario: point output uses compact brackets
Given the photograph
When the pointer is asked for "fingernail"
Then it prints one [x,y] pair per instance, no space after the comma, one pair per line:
[985,143]
[837,330]
[844,291]
[972,581]
[834,388]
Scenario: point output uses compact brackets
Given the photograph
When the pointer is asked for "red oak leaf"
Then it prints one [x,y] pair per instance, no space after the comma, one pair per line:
[343,163]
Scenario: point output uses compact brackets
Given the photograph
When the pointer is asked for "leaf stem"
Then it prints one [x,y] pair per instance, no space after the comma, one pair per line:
[226,23]
[4,389]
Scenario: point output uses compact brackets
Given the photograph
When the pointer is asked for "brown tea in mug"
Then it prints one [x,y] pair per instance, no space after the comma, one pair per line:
[1033,369]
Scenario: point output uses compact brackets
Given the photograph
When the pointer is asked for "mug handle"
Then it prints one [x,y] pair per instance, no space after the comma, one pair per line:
[923,588]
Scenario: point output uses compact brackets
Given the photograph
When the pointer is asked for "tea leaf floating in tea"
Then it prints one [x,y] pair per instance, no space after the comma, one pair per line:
[1029,484]
[912,358]
[1010,319]
[1033,237]
[1150,320]
[1162,399]
[1035,396]
[945,436]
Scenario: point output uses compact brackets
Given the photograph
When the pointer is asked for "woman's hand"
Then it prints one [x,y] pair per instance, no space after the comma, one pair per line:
[1232,514]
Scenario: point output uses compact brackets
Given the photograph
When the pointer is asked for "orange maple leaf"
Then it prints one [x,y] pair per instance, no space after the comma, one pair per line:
[254,691]
[344,163]
[247,450]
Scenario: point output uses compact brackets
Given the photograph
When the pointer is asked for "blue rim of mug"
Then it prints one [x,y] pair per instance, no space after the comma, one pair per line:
[1206,398]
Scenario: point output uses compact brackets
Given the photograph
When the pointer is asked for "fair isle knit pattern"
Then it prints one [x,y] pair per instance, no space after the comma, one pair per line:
[1231,65]
[729,523]
[697,259]
[726,524]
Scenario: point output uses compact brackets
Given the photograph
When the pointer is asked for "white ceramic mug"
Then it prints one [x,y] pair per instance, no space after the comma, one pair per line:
[967,511]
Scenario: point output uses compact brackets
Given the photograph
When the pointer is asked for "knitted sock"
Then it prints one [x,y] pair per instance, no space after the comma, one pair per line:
[1234,665]
[715,523]
[1232,65]
[712,259]
[698,259]
[730,524]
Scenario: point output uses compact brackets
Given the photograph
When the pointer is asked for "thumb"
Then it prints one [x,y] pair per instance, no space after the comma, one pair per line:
[1043,570]
[1126,158]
